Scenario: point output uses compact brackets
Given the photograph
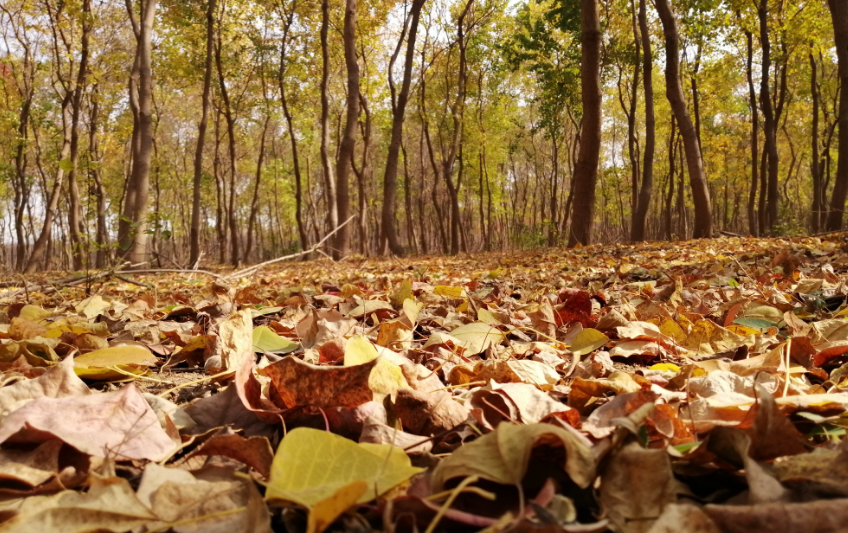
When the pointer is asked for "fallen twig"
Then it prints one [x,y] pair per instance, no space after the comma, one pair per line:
[254,268]
[51,287]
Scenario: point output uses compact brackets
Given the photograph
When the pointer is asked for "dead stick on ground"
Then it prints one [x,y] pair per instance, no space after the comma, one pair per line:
[254,268]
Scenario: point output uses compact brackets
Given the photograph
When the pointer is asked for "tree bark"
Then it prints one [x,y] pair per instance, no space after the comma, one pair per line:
[753,215]
[839,15]
[640,221]
[815,168]
[231,145]
[769,124]
[343,163]
[586,169]
[132,233]
[79,251]
[298,185]
[194,254]
[326,167]
[703,226]
[387,218]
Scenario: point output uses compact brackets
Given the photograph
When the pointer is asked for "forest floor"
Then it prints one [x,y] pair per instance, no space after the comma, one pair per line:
[663,387]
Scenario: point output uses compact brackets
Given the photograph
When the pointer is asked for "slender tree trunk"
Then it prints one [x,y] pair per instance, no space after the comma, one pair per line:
[753,215]
[389,226]
[254,203]
[326,167]
[298,185]
[672,149]
[220,194]
[632,141]
[769,124]
[839,15]
[640,221]
[697,176]
[696,96]
[815,169]
[41,244]
[75,222]
[363,175]
[348,139]
[132,234]
[231,138]
[102,234]
[586,169]
[194,254]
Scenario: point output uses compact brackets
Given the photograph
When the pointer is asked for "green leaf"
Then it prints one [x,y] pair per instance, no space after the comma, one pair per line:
[66,165]
[266,340]
[587,341]
[755,323]
[477,336]
[311,466]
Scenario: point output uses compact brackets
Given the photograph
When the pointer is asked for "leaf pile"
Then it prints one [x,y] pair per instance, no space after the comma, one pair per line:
[654,388]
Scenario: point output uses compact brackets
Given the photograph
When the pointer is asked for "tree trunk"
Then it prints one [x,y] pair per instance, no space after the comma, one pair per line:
[815,169]
[769,124]
[254,203]
[640,221]
[132,233]
[194,254]
[231,138]
[703,226]
[586,169]
[102,234]
[389,225]
[75,222]
[753,215]
[326,167]
[839,15]
[363,174]
[298,185]
[348,139]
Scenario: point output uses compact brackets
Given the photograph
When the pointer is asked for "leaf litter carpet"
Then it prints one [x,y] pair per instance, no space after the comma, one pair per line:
[666,387]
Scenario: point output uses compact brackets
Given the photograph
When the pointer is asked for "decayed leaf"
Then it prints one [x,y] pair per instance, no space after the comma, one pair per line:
[300,383]
[117,424]
[211,502]
[428,413]
[236,335]
[311,466]
[503,455]
[58,382]
[636,484]
[109,505]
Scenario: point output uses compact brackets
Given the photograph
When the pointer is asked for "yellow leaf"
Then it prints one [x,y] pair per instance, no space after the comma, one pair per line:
[33,313]
[411,309]
[403,293]
[666,367]
[477,336]
[359,350]
[326,511]
[312,465]
[96,364]
[484,315]
[670,328]
[448,291]
[386,377]
[587,341]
